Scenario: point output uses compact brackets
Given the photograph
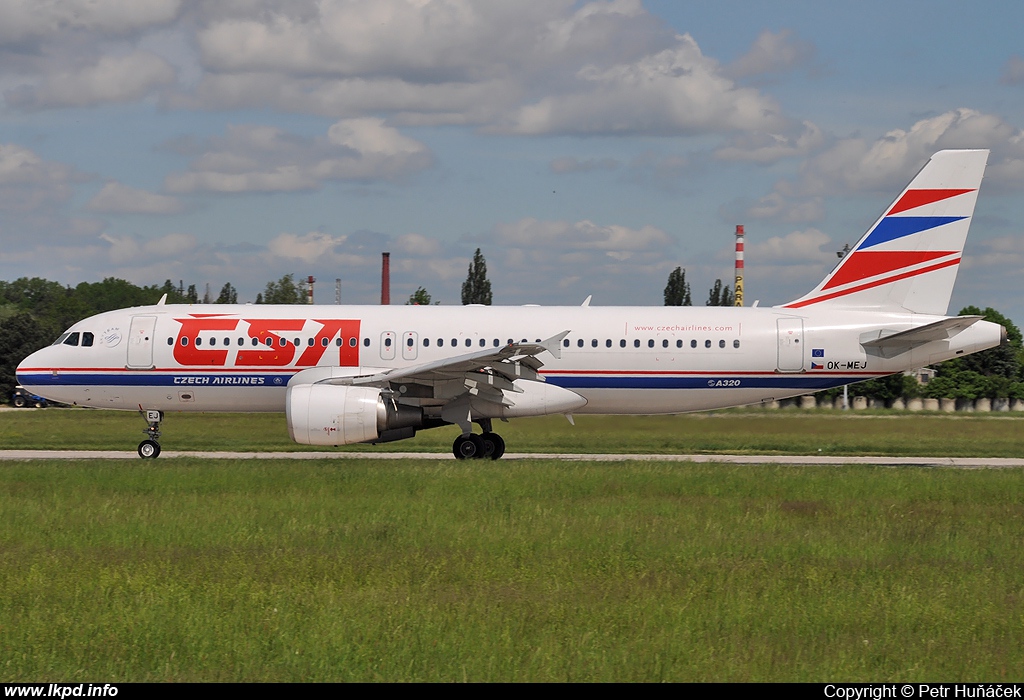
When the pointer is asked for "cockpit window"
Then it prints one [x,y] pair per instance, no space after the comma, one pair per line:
[72,338]
[60,340]
[87,338]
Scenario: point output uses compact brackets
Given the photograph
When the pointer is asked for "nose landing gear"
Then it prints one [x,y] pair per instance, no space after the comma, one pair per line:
[150,448]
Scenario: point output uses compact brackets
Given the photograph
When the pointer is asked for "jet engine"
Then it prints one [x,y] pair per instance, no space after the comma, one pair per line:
[327,414]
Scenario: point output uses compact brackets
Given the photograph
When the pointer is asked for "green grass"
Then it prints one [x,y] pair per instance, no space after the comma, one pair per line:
[193,570]
[738,432]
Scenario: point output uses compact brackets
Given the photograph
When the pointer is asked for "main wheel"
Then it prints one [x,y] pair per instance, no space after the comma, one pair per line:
[494,446]
[468,447]
[149,449]
[19,401]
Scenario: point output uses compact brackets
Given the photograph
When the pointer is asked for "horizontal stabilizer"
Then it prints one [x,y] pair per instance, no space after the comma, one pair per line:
[905,340]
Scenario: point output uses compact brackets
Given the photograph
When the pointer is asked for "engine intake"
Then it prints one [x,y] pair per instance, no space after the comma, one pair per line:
[326,414]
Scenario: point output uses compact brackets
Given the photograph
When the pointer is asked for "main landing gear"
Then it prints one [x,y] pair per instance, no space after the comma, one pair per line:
[150,448]
[487,445]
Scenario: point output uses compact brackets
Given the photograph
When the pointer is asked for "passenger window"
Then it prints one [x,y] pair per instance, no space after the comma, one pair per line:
[366,342]
[270,342]
[184,341]
[282,342]
[87,338]
[227,342]
[679,343]
[565,343]
[608,343]
[352,342]
[455,342]
[622,343]
[468,342]
[636,343]
[309,342]
[255,342]
[170,341]
[721,343]
[387,342]
[72,339]
[579,343]
[593,343]
[707,343]
[213,341]
[409,342]
[497,342]
[510,342]
[664,343]
[426,342]
[241,342]
[735,343]
[693,343]
[199,341]
[338,341]
[325,342]
[650,343]
[483,342]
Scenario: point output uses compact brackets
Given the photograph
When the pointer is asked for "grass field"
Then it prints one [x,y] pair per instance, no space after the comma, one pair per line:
[739,432]
[195,570]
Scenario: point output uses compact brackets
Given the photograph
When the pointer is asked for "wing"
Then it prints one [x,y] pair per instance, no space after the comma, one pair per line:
[456,386]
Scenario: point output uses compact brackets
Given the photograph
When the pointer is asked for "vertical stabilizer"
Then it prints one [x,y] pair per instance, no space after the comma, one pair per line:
[909,259]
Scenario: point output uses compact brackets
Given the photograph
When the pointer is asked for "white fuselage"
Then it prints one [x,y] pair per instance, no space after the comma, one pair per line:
[622,360]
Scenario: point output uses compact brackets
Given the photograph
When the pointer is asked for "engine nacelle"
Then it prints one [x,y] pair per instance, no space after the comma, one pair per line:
[326,414]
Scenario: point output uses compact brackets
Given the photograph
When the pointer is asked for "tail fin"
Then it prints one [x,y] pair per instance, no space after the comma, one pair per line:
[909,259]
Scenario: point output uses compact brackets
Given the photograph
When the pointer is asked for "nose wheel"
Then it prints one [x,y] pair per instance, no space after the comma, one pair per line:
[150,448]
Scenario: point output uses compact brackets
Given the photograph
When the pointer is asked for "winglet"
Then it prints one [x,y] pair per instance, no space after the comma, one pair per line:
[554,344]
[586,302]
[163,300]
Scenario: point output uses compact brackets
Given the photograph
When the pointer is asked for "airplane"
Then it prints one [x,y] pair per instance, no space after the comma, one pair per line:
[373,374]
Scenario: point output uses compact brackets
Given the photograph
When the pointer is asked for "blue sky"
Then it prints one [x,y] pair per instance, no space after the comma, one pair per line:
[586,148]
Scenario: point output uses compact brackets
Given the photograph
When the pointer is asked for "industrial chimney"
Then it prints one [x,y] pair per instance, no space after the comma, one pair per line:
[738,286]
[385,279]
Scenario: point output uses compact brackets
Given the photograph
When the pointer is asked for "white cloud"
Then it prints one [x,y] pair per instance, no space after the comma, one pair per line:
[109,79]
[116,198]
[772,53]
[795,247]
[858,165]
[267,159]
[128,249]
[574,165]
[1013,71]
[24,20]
[29,183]
[614,241]
[677,90]
[764,148]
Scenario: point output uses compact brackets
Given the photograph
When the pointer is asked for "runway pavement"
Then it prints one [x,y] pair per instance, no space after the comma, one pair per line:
[794,460]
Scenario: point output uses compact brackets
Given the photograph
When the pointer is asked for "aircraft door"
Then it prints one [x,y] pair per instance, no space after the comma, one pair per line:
[791,344]
[140,342]
[409,347]
[387,345]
